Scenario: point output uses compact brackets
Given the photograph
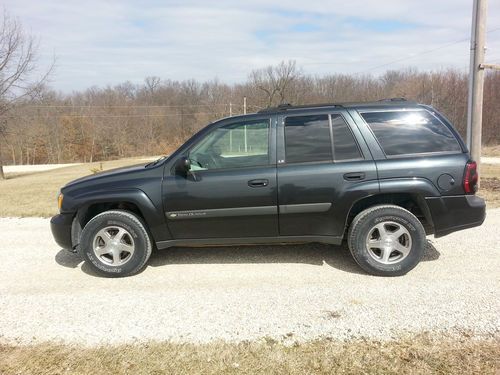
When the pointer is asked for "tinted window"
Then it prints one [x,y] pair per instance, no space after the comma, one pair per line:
[307,139]
[344,144]
[238,145]
[410,132]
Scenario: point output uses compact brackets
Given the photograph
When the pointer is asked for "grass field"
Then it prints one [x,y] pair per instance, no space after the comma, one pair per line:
[490,150]
[34,194]
[423,354]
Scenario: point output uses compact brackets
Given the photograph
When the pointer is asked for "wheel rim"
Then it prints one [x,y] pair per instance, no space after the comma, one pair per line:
[113,245]
[388,242]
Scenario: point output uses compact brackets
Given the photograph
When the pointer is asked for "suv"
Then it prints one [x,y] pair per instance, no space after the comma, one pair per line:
[379,175]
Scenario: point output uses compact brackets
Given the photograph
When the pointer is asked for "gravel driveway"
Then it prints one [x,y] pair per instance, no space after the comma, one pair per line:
[291,292]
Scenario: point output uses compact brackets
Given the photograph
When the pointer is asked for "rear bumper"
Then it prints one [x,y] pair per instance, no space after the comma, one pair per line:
[60,225]
[450,214]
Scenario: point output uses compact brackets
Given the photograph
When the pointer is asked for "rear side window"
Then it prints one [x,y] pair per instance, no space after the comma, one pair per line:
[410,132]
[344,144]
[307,139]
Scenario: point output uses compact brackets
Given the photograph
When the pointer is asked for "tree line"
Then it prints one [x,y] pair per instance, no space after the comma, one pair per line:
[156,116]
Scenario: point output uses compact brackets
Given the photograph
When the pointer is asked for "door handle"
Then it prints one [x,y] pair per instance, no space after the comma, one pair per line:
[354,176]
[258,183]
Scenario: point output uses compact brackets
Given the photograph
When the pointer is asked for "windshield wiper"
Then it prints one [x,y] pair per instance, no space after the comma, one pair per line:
[153,163]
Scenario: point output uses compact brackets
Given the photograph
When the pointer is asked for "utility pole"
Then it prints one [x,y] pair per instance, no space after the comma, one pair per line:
[476,79]
[230,109]
[244,105]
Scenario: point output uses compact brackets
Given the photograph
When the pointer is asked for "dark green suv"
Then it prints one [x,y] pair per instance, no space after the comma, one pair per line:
[380,176]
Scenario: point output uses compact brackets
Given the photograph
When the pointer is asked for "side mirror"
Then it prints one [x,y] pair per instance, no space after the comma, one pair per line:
[183,166]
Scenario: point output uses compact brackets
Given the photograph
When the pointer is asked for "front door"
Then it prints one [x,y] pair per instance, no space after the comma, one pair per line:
[231,190]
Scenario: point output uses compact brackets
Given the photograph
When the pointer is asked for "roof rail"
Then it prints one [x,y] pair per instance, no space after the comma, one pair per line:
[394,100]
[381,102]
[288,106]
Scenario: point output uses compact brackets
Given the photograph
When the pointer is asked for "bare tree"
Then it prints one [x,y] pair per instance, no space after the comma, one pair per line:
[276,81]
[18,52]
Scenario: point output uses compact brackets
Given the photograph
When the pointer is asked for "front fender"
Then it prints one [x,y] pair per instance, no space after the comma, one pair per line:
[151,214]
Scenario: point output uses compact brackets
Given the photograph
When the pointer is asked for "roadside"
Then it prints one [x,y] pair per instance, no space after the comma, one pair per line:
[422,354]
[255,310]
[25,194]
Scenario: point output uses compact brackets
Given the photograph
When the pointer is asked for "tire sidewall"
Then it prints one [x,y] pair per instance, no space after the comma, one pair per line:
[139,235]
[403,218]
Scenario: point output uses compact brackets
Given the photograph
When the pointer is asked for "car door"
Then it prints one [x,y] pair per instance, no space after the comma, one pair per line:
[324,166]
[231,189]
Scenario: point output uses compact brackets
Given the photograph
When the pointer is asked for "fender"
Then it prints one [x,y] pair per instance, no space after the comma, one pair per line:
[418,188]
[150,213]
[413,185]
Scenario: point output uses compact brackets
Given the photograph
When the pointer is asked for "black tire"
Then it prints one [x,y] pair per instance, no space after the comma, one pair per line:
[363,225]
[137,233]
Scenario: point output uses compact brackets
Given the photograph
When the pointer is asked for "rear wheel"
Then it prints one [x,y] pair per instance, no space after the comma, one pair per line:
[386,240]
[115,243]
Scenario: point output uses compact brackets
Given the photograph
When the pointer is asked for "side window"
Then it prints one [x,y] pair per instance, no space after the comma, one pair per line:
[307,139]
[344,144]
[410,132]
[243,144]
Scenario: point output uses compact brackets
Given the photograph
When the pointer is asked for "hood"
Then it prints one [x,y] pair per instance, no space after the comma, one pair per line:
[107,175]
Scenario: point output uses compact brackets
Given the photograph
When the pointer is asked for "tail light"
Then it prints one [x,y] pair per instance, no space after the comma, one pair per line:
[470,177]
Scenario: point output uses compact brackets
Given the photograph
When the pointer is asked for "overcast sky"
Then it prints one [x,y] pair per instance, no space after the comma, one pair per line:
[108,42]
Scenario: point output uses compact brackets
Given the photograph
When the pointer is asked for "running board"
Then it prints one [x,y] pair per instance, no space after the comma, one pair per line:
[200,242]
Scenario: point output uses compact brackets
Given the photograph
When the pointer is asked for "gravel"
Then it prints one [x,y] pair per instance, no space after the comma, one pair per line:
[287,293]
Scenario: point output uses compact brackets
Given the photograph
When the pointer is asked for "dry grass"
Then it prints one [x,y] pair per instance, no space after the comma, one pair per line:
[490,184]
[490,150]
[34,194]
[422,354]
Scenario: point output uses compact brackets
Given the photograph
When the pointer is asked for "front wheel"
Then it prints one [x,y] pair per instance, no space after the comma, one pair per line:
[386,240]
[115,243]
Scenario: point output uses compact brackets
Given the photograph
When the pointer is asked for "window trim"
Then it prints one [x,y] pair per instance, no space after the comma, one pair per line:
[269,145]
[409,155]
[330,115]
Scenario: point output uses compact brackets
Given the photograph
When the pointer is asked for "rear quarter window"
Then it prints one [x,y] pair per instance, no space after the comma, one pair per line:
[410,132]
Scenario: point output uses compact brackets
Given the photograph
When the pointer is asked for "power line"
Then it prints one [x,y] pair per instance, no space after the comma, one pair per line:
[413,56]
[425,52]
[126,106]
[115,116]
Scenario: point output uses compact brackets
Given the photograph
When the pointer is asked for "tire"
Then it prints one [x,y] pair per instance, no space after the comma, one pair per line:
[386,240]
[115,244]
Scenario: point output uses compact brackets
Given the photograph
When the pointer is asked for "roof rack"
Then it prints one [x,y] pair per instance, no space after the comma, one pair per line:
[288,106]
[393,100]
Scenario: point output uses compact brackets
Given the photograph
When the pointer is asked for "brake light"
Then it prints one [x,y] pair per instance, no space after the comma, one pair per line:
[470,177]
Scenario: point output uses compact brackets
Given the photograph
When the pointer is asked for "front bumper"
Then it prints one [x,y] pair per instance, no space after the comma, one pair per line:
[60,225]
[450,214]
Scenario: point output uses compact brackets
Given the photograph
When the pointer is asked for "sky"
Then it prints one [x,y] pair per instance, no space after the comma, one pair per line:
[99,43]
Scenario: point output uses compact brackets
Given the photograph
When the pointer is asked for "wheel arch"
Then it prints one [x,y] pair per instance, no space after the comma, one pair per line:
[131,200]
[413,202]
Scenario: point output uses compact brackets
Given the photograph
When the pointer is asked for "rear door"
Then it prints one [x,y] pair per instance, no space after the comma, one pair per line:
[324,166]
